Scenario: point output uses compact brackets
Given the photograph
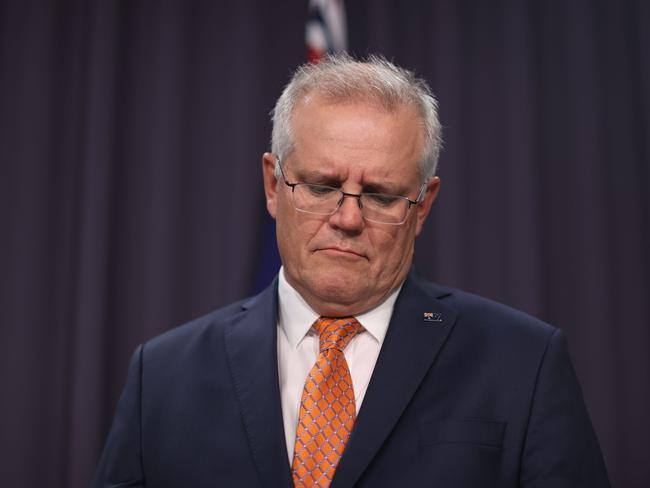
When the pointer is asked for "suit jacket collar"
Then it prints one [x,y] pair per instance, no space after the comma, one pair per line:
[251,347]
[409,350]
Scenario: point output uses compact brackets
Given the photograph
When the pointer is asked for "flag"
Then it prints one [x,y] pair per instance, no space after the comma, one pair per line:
[326,30]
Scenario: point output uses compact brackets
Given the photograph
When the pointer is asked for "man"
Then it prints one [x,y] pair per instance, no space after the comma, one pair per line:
[350,370]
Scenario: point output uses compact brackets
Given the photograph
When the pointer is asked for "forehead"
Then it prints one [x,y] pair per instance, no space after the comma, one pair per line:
[357,136]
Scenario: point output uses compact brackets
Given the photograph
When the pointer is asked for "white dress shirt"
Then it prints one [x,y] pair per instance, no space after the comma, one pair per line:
[298,348]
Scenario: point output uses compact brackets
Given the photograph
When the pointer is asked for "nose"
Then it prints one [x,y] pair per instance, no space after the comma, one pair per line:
[348,216]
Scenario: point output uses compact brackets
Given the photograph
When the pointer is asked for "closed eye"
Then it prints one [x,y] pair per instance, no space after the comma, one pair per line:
[381,199]
[320,190]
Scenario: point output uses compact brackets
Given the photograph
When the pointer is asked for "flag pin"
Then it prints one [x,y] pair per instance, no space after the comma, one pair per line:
[432,317]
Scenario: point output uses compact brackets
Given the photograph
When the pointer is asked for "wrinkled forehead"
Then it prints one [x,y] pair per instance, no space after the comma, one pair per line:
[315,100]
[357,135]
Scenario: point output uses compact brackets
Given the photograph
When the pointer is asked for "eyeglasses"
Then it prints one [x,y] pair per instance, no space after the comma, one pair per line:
[380,208]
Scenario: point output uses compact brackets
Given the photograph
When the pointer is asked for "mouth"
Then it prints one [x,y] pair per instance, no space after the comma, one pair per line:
[342,252]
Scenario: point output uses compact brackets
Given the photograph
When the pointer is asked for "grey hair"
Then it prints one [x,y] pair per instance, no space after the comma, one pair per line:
[342,78]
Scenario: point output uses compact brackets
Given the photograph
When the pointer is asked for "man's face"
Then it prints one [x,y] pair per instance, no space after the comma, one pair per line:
[342,264]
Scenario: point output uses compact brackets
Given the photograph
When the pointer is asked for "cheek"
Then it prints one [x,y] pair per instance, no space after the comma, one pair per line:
[285,218]
[394,250]
[295,230]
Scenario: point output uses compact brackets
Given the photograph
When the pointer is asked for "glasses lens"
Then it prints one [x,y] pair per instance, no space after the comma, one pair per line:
[316,199]
[386,209]
[375,207]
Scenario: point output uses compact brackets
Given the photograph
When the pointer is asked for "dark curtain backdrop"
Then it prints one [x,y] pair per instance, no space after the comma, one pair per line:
[131,134]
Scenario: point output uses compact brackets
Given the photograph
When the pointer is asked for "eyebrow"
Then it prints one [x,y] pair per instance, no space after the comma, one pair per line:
[318,177]
[315,177]
[384,187]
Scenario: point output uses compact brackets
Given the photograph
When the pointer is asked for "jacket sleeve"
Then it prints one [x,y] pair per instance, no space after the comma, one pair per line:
[121,462]
[561,449]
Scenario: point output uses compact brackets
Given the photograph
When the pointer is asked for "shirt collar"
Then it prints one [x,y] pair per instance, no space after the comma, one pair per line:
[296,316]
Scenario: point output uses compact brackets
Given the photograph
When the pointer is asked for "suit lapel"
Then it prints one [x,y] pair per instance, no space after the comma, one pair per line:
[409,349]
[252,355]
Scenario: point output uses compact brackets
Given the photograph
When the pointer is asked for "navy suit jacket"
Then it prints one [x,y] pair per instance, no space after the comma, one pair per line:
[478,395]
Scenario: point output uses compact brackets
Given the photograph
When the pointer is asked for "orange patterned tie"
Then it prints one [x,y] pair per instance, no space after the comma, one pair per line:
[327,408]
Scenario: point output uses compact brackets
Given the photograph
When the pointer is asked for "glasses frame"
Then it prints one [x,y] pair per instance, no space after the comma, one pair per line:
[358,196]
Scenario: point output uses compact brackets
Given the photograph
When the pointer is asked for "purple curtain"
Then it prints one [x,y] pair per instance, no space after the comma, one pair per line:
[131,135]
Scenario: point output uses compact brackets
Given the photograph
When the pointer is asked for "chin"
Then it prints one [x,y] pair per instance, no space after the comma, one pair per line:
[337,288]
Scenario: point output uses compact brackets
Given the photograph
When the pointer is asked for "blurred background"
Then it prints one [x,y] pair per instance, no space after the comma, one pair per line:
[131,135]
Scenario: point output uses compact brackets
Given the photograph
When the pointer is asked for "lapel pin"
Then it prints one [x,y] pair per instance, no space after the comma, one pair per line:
[432,317]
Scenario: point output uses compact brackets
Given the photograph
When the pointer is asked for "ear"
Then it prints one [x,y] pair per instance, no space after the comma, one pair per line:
[270,182]
[422,210]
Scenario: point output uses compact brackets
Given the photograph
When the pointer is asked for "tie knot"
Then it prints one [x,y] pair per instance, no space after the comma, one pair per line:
[336,332]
